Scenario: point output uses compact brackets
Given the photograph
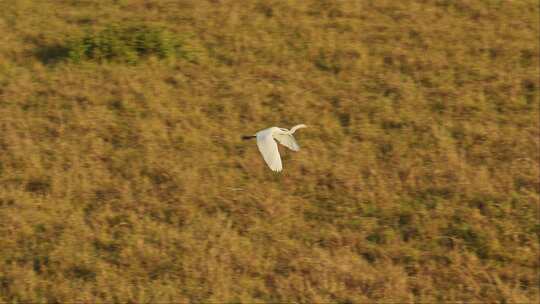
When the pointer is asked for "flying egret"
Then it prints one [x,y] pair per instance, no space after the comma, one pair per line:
[268,146]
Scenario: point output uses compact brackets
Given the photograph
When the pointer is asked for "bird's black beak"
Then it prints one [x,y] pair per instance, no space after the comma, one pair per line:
[248,137]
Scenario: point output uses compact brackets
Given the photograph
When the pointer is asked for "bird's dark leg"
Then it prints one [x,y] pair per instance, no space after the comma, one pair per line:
[248,137]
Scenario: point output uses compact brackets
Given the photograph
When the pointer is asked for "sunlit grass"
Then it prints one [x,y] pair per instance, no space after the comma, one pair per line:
[123,176]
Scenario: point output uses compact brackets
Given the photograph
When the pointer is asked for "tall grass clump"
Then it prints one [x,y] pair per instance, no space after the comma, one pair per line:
[127,44]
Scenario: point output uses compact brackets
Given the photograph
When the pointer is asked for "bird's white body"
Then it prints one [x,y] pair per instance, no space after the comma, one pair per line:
[266,142]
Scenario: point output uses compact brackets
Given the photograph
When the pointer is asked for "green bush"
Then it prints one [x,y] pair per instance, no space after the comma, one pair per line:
[127,44]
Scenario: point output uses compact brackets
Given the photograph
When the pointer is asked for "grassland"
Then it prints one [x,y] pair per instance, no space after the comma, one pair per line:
[126,180]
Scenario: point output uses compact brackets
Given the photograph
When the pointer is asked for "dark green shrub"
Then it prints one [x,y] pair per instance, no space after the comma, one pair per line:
[127,44]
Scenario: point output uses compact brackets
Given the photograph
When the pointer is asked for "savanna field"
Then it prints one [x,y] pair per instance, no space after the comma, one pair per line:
[124,179]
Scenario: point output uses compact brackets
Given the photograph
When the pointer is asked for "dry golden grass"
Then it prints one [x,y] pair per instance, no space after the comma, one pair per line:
[418,180]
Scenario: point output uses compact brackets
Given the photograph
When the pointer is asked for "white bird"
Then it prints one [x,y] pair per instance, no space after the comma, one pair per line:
[266,141]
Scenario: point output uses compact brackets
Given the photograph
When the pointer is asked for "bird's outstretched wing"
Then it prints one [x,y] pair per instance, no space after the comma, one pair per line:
[288,141]
[269,150]
[300,126]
